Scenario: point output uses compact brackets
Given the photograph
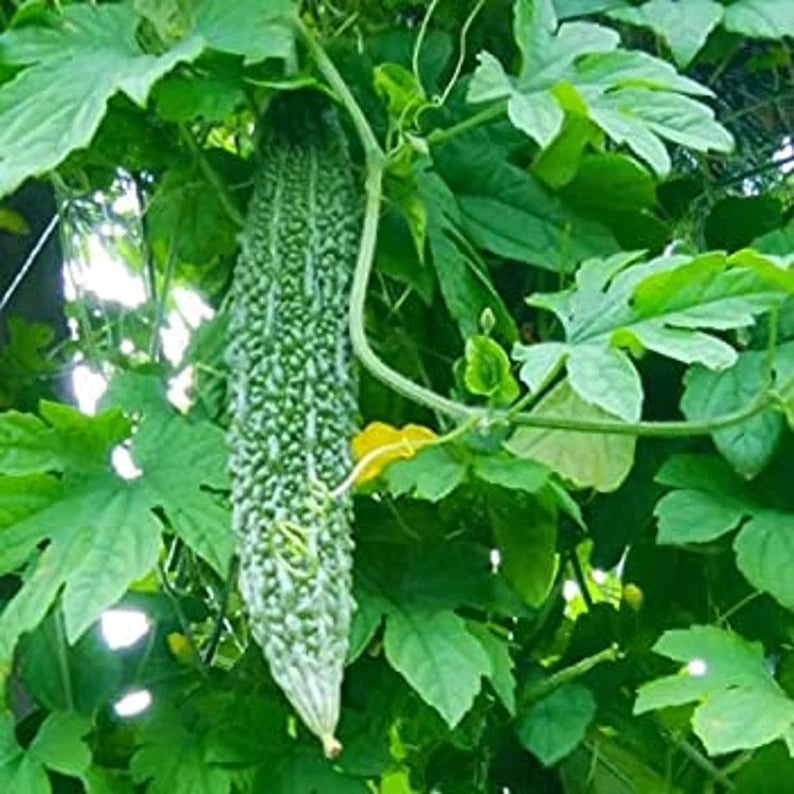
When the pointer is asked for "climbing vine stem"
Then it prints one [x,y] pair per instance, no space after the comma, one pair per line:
[375,165]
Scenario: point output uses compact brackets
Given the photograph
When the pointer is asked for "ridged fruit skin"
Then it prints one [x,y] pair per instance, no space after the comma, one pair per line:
[293,405]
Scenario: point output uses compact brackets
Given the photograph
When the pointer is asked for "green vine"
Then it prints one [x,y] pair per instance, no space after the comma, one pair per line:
[374,161]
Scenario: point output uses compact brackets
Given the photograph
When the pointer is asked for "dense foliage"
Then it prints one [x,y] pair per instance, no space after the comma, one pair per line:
[564,232]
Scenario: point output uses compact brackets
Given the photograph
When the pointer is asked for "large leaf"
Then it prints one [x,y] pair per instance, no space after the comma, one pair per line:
[741,704]
[660,305]
[304,771]
[555,725]
[99,780]
[186,210]
[710,502]
[509,212]
[748,446]
[171,757]
[247,27]
[72,68]
[765,553]
[442,656]
[67,440]
[434,472]
[83,677]
[588,460]
[501,674]
[58,746]
[779,242]
[463,278]
[102,536]
[526,536]
[431,474]
[605,766]
[579,8]
[635,98]
[685,26]
[765,19]
[438,656]
[103,531]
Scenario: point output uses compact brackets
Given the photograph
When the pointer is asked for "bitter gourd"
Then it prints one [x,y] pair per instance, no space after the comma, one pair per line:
[292,405]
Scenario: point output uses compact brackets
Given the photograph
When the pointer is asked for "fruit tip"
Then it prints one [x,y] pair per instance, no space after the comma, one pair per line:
[331,746]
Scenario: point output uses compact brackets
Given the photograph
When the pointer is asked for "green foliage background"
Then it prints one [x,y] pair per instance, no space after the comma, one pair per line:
[582,281]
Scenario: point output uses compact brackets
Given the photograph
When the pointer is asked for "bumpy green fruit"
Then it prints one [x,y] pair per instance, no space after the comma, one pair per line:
[293,406]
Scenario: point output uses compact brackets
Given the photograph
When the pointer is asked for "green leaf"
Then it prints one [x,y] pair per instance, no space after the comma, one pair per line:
[462,275]
[72,68]
[539,362]
[765,553]
[526,536]
[605,766]
[509,472]
[779,242]
[709,291]
[487,371]
[690,516]
[180,460]
[738,719]
[711,502]
[247,27]
[433,473]
[606,377]
[58,745]
[84,442]
[548,52]
[741,704]
[104,781]
[555,726]
[438,657]
[185,211]
[304,771]
[749,446]
[735,221]
[183,98]
[103,531]
[11,221]
[507,211]
[767,772]
[102,537]
[539,115]
[400,89]
[366,621]
[640,117]
[763,19]
[728,661]
[83,677]
[171,757]
[619,191]
[24,361]
[397,256]
[658,305]
[27,445]
[579,8]
[588,460]
[230,730]
[501,675]
[615,180]
[635,98]
[557,164]
[685,26]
